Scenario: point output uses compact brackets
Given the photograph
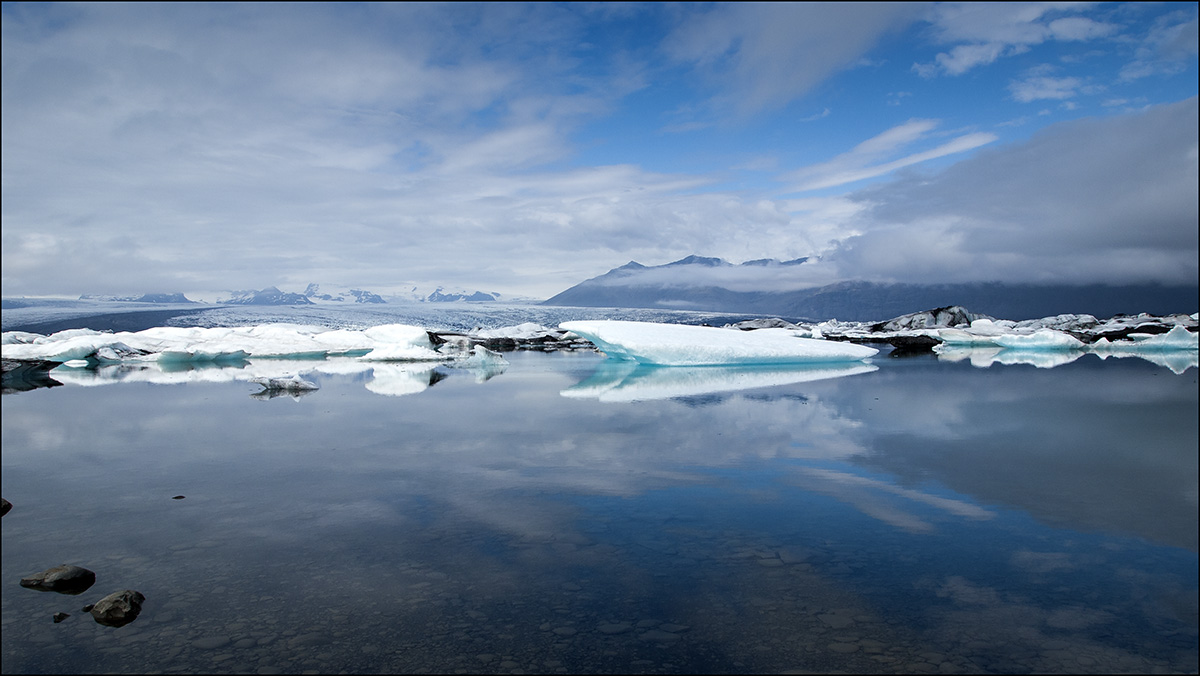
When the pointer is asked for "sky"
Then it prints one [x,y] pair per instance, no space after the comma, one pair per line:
[522,148]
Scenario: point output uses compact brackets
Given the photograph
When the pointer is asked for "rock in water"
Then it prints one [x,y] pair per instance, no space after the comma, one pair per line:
[119,608]
[63,579]
[59,617]
[5,505]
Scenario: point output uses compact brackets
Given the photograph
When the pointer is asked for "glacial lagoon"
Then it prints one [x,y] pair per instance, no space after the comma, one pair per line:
[569,514]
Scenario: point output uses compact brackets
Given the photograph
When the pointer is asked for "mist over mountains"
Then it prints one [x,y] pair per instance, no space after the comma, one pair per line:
[761,287]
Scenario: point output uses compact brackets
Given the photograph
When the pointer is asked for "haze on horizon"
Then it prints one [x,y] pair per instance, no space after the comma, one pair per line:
[524,147]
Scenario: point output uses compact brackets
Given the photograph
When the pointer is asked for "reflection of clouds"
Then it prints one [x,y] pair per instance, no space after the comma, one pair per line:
[624,381]
[1062,633]
[1099,446]
[1041,562]
[869,496]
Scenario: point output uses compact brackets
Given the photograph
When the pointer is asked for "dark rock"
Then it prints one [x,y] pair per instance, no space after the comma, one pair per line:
[907,346]
[5,505]
[59,617]
[63,579]
[942,317]
[178,497]
[88,607]
[119,608]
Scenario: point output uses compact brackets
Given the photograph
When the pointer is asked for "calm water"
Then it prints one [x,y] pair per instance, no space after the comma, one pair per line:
[573,516]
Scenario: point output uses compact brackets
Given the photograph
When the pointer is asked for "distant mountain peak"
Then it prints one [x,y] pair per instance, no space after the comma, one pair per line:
[699,260]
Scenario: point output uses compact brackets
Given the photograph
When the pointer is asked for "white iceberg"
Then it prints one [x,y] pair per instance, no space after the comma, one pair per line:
[1178,338]
[683,345]
[1041,339]
[388,342]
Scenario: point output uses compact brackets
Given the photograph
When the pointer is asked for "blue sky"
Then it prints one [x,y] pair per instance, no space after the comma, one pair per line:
[521,148]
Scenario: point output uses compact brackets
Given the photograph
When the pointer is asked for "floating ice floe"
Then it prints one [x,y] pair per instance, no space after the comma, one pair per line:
[683,345]
[390,342]
[1041,339]
[624,381]
[1178,338]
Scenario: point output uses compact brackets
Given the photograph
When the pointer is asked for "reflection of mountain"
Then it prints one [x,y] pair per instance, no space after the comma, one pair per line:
[628,381]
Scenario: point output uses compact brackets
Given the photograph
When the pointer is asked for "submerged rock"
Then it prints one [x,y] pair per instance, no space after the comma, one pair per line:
[119,608]
[63,579]
[59,617]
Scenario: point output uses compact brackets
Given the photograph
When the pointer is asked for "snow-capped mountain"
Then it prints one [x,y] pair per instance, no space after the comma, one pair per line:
[319,294]
[143,298]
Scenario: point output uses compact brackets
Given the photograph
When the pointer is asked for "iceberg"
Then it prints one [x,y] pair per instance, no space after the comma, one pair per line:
[388,342]
[1178,338]
[684,345]
[1042,339]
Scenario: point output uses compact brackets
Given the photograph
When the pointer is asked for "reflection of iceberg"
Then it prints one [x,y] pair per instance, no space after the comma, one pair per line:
[980,357]
[684,345]
[484,363]
[294,384]
[1047,359]
[399,379]
[630,381]
[268,394]
[1177,361]
[983,357]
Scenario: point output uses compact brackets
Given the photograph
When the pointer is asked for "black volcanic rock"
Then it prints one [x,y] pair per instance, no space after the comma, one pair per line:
[63,579]
[119,608]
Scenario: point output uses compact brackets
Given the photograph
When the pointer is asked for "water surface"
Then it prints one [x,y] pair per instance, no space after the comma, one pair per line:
[569,515]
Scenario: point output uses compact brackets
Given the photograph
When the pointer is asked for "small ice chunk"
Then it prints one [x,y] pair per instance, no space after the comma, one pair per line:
[683,345]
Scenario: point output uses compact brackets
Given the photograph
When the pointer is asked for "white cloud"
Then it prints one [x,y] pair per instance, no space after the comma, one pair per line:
[984,32]
[866,160]
[1040,88]
[760,56]
[1169,45]
[1112,199]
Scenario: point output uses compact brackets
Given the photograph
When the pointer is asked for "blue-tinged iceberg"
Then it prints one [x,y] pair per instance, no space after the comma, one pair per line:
[683,345]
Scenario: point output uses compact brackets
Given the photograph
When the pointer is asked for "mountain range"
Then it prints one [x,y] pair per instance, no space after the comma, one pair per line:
[713,284]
